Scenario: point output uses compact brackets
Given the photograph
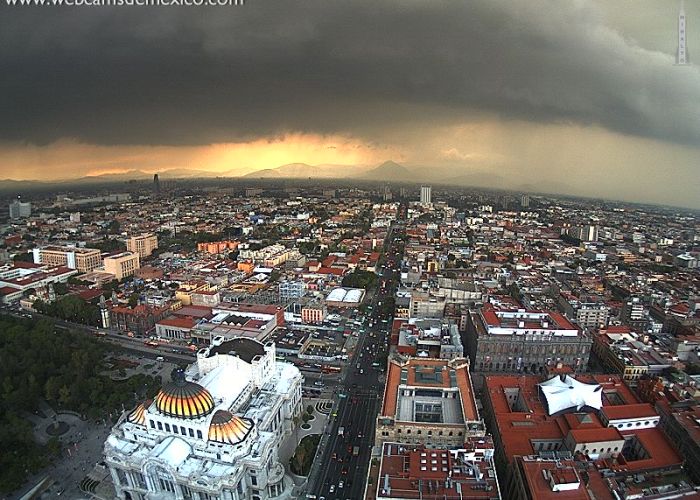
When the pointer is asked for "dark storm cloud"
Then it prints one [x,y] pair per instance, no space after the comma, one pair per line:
[200,75]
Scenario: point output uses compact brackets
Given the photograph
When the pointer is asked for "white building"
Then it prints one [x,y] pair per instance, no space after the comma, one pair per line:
[426,195]
[214,432]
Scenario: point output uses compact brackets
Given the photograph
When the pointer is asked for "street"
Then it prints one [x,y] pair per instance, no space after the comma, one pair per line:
[344,460]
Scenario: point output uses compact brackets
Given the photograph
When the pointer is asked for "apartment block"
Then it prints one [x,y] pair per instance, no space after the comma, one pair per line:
[143,244]
[122,264]
[80,259]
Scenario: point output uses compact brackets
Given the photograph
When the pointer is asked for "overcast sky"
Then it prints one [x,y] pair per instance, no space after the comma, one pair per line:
[579,95]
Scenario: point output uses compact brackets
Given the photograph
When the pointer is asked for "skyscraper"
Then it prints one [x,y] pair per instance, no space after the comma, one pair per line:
[682,53]
[425,195]
[20,210]
[156,184]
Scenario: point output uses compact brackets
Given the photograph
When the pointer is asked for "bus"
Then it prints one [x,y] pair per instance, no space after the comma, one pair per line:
[330,369]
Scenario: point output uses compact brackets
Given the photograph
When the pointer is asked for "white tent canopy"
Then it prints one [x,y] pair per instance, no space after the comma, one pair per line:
[564,393]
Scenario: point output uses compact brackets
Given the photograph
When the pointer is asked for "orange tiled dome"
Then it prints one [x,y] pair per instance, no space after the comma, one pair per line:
[138,414]
[227,428]
[184,399]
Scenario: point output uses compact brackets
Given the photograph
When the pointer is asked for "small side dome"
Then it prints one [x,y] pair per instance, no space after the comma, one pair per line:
[138,414]
[184,399]
[227,428]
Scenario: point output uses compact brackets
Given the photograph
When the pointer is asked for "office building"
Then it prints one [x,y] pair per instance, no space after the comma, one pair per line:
[20,210]
[84,260]
[426,195]
[586,233]
[518,340]
[428,402]
[291,289]
[143,244]
[213,432]
[634,314]
[122,264]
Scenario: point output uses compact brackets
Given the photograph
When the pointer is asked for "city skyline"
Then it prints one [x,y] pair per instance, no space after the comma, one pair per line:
[582,99]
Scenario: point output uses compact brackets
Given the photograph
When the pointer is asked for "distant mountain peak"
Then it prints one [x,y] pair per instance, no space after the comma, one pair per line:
[388,171]
[305,171]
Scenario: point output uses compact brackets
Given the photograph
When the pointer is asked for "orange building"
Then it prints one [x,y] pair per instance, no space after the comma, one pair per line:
[215,247]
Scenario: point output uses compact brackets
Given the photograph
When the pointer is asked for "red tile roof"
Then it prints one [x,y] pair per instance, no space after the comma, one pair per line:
[640,410]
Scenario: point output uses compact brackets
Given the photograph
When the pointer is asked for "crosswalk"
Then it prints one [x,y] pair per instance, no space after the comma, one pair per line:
[324,407]
[88,485]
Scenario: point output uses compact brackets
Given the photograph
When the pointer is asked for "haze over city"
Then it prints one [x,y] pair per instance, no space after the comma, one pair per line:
[349,250]
[577,98]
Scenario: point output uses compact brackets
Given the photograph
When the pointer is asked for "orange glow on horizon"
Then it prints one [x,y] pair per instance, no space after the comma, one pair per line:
[67,159]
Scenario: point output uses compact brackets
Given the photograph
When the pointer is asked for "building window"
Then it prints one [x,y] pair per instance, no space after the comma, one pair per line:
[152,423]
[160,426]
[167,427]
[191,432]
[199,434]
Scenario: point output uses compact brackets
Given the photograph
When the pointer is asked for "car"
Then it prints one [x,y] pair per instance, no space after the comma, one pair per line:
[331,489]
[341,484]
[344,471]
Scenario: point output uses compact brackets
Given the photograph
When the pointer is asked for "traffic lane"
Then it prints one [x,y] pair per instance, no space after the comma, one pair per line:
[153,353]
[349,467]
[361,462]
[353,471]
[328,469]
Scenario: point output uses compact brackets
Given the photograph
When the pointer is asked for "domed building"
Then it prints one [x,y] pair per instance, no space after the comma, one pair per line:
[213,432]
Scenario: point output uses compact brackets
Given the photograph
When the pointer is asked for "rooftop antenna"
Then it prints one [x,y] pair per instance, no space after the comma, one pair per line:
[682,52]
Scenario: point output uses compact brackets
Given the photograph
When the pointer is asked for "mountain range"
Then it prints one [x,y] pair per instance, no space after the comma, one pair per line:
[389,171]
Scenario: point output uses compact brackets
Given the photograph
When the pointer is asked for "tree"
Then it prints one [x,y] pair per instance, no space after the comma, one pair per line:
[64,395]
[133,300]
[23,257]
[114,227]
[63,368]
[360,279]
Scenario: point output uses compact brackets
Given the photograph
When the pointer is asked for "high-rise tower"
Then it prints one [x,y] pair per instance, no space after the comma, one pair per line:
[682,53]
[425,195]
[156,184]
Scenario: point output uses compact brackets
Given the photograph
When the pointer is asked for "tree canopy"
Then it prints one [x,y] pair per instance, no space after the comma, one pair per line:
[62,368]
